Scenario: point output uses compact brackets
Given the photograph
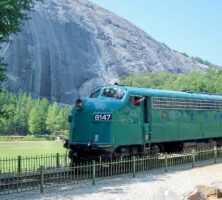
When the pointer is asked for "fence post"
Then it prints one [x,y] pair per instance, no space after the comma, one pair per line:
[94,172]
[41,178]
[166,162]
[19,164]
[65,165]
[134,166]
[215,154]
[193,157]
[57,160]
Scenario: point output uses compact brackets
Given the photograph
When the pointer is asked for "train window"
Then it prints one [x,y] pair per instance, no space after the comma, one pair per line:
[95,94]
[113,93]
[135,100]
[185,104]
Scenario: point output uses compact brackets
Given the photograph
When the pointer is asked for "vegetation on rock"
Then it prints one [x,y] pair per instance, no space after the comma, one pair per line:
[209,81]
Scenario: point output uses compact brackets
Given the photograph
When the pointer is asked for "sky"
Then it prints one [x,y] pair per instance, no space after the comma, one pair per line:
[190,26]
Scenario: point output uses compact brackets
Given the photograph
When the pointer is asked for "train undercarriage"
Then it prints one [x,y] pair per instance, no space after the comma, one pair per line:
[83,152]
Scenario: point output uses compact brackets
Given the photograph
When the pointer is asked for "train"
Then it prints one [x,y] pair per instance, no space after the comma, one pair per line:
[122,121]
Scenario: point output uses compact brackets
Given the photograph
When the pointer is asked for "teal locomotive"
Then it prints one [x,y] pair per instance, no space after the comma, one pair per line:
[120,121]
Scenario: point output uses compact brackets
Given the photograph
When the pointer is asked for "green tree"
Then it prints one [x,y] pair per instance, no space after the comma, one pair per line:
[23,106]
[65,113]
[2,78]
[12,15]
[2,72]
[37,117]
[209,81]
[7,105]
[34,121]
[53,118]
[24,115]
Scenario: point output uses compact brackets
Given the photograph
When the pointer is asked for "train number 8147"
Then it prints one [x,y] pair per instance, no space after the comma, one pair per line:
[102,117]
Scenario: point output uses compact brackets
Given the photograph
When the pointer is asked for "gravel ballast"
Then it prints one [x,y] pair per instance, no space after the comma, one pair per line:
[174,185]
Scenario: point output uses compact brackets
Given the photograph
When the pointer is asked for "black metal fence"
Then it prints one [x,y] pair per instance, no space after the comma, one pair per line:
[58,172]
[28,163]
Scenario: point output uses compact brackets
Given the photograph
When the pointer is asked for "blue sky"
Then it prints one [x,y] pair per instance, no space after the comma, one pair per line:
[191,26]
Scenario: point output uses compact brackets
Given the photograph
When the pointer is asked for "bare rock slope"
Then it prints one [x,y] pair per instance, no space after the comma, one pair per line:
[69,47]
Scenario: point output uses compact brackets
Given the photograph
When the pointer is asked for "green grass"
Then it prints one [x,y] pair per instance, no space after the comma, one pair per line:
[36,138]
[30,148]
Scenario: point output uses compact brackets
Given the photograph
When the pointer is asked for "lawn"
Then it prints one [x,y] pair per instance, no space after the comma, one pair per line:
[28,148]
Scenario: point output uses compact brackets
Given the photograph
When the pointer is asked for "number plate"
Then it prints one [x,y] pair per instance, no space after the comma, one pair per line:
[102,117]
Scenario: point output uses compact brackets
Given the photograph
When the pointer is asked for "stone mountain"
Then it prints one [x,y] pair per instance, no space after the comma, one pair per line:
[69,47]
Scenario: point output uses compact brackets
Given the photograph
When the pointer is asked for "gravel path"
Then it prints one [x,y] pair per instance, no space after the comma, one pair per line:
[153,185]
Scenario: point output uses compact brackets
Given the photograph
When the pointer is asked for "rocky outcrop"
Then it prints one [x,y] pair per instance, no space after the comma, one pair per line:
[204,192]
[69,47]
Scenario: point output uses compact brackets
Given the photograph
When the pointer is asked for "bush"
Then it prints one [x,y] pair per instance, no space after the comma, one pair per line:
[37,138]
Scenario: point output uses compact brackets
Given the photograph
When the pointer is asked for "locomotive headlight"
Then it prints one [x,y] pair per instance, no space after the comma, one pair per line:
[79,104]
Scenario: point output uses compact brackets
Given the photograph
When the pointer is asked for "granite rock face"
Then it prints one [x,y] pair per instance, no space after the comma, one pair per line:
[69,47]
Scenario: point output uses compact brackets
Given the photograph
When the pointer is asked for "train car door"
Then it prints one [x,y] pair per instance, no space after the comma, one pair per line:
[147,120]
[135,120]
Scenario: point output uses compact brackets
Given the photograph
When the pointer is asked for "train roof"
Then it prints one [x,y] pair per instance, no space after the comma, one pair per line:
[171,93]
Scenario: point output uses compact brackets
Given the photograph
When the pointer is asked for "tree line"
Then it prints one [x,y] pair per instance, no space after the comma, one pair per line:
[24,115]
[209,81]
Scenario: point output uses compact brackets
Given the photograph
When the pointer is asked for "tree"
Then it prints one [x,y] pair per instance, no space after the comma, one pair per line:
[53,118]
[2,78]
[24,115]
[65,113]
[34,121]
[209,81]
[12,15]
[2,71]
[37,117]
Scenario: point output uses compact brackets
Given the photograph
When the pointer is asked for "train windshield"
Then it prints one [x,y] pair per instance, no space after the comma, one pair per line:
[95,93]
[113,93]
